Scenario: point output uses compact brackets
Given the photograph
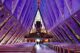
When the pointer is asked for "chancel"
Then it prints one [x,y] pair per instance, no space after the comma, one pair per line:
[38,33]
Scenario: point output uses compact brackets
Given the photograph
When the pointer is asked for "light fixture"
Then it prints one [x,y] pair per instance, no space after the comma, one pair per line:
[37,40]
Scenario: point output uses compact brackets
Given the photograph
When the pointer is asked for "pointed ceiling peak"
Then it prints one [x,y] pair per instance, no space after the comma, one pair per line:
[38,18]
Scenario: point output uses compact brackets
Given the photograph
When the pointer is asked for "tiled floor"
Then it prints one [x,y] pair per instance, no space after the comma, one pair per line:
[43,49]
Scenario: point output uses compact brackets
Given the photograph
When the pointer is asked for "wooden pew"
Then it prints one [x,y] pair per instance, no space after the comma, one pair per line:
[65,48]
[16,49]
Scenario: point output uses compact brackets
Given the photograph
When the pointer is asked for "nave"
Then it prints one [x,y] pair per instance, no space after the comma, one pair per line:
[41,48]
[26,48]
[39,26]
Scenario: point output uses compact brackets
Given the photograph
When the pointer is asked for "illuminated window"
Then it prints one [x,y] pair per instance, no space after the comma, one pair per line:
[38,18]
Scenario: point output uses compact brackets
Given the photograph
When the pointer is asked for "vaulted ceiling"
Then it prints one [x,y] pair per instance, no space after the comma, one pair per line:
[60,17]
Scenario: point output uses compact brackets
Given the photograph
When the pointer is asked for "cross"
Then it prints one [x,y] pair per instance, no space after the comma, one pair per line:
[38,2]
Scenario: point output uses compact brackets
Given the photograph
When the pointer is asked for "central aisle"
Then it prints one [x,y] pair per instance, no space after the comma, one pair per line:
[40,48]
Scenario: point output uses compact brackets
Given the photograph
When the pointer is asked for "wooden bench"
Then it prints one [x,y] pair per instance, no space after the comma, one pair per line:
[65,48]
[17,48]
[14,49]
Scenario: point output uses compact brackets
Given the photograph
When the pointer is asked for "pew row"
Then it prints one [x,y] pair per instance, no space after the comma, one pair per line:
[65,47]
[19,48]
